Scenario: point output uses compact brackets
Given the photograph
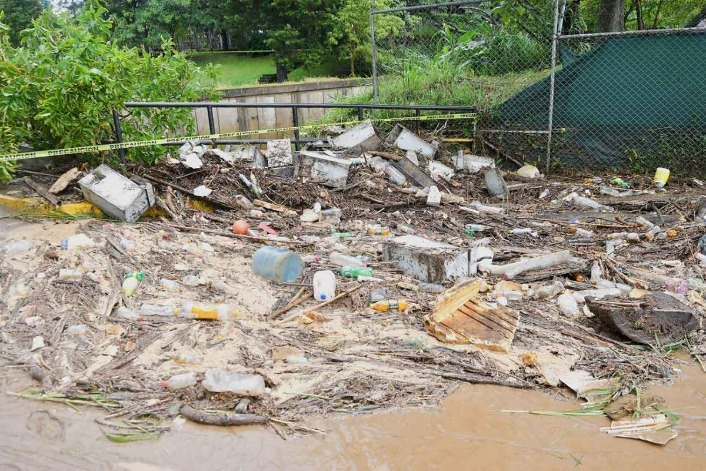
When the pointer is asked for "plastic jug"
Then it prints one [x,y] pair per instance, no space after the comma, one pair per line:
[276,264]
[324,285]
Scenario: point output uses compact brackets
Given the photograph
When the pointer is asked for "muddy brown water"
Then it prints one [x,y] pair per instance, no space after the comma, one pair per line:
[470,431]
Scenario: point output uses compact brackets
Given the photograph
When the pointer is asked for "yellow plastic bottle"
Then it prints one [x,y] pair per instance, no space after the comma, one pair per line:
[390,305]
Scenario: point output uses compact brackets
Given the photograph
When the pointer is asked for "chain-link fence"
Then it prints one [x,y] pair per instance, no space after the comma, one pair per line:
[553,92]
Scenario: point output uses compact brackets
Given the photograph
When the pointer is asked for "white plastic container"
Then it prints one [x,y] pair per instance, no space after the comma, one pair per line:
[277,264]
[343,260]
[180,381]
[169,285]
[324,285]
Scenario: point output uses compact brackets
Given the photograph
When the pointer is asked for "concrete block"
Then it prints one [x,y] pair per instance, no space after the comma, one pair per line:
[279,153]
[427,260]
[414,173]
[115,195]
[322,168]
[248,154]
[405,139]
[361,135]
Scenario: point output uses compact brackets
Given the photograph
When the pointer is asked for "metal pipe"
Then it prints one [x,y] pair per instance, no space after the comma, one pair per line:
[295,123]
[211,123]
[555,40]
[426,7]
[118,135]
[373,51]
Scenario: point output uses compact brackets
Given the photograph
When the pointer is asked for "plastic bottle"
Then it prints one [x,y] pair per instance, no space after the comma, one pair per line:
[431,287]
[406,229]
[157,310]
[187,358]
[127,244]
[244,202]
[190,280]
[125,313]
[390,305]
[180,381]
[580,232]
[297,360]
[324,285]
[77,241]
[69,274]
[649,235]
[620,182]
[169,285]
[342,235]
[395,175]
[332,215]
[644,222]
[203,311]
[484,208]
[131,281]
[276,264]
[522,231]
[476,227]
[355,272]
[343,260]
[568,305]
[218,380]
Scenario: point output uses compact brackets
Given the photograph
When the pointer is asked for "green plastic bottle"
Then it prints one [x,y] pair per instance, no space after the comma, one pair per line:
[355,272]
[131,281]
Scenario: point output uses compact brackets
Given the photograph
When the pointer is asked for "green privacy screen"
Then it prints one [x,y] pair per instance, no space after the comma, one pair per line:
[630,102]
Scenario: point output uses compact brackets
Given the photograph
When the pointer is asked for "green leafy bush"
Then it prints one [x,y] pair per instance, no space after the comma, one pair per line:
[60,87]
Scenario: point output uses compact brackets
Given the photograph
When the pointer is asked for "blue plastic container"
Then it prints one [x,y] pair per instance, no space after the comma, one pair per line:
[276,264]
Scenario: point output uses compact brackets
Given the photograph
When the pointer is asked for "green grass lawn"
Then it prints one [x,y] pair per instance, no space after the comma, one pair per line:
[236,70]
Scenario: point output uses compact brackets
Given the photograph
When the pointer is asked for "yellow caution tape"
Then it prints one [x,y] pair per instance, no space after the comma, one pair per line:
[172,140]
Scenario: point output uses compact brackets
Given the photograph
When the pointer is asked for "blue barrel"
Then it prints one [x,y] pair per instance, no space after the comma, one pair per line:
[276,264]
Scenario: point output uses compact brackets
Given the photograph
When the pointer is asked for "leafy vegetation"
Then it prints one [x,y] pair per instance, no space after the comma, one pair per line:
[18,15]
[235,70]
[60,87]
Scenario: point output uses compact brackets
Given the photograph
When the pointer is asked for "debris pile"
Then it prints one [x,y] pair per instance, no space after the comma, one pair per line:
[405,267]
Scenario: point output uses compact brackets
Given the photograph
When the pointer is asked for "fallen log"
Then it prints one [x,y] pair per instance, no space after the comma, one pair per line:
[221,418]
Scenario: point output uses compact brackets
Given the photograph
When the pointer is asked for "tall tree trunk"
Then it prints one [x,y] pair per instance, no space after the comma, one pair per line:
[610,18]
[571,17]
[281,73]
[638,11]
[225,43]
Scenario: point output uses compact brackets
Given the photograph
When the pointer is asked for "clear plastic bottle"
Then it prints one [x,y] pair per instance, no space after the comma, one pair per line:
[187,358]
[395,175]
[644,222]
[297,359]
[244,202]
[128,245]
[157,310]
[654,230]
[476,227]
[125,313]
[355,272]
[204,311]
[276,264]
[131,281]
[324,285]
[596,273]
[180,381]
[431,287]
[190,280]
[390,305]
[169,285]
[549,291]
[343,260]
[406,229]
[377,229]
[218,380]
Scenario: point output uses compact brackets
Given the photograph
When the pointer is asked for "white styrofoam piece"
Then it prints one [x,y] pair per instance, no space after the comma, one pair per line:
[427,260]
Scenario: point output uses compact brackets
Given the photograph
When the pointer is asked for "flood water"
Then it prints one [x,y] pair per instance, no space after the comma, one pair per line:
[470,431]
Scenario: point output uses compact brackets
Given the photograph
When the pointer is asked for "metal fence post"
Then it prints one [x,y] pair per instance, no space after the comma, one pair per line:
[558,20]
[373,51]
[118,135]
[295,123]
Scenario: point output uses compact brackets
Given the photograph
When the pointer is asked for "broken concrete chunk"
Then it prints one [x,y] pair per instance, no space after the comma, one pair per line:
[362,135]
[434,196]
[65,180]
[440,171]
[412,157]
[413,173]
[426,260]
[191,160]
[460,317]
[116,195]
[279,153]
[321,168]
[476,163]
[405,139]
[654,319]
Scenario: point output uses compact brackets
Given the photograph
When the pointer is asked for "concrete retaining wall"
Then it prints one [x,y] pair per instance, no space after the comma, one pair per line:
[243,119]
